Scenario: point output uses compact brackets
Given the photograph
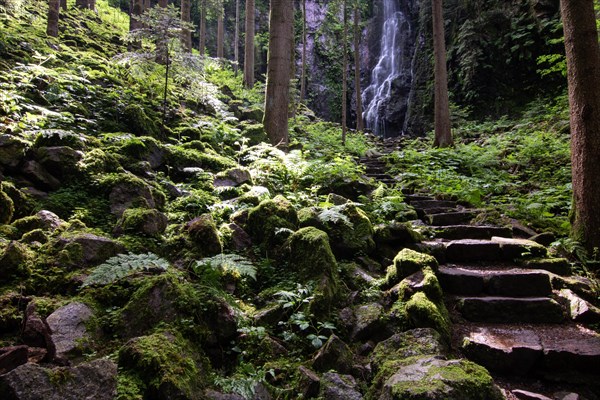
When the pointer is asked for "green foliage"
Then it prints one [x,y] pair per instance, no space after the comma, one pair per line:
[227,264]
[124,265]
[244,380]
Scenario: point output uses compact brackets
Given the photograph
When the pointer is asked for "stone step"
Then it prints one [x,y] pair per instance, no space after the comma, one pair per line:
[559,266]
[424,213]
[411,198]
[514,282]
[510,309]
[425,204]
[454,232]
[450,218]
[563,352]
[495,249]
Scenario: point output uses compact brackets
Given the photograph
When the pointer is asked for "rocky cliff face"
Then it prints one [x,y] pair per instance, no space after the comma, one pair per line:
[399,112]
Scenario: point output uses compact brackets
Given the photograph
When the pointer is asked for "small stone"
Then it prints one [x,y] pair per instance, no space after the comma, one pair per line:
[11,357]
[579,309]
[339,387]
[308,382]
[525,395]
[335,355]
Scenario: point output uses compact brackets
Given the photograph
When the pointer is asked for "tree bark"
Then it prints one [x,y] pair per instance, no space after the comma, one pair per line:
[236,38]
[53,16]
[92,4]
[279,66]
[82,3]
[186,34]
[583,73]
[344,73]
[360,125]
[63,4]
[163,3]
[249,45]
[202,42]
[443,133]
[303,72]
[220,33]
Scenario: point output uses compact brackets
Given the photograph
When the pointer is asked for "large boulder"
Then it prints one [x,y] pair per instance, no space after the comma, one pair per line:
[268,218]
[351,231]
[150,222]
[335,386]
[90,249]
[92,380]
[12,150]
[127,191]
[204,234]
[7,208]
[61,160]
[40,176]
[406,263]
[165,366]
[68,329]
[232,177]
[334,355]
[15,261]
[310,256]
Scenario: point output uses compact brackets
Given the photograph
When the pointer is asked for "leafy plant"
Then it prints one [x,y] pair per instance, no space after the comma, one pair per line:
[244,381]
[124,265]
[232,264]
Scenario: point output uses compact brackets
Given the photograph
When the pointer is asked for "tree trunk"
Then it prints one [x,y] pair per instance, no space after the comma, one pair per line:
[279,66]
[202,42]
[63,4]
[360,125]
[163,3]
[345,73]
[249,45]
[92,4]
[443,133]
[53,16]
[220,34]
[186,34]
[236,38]
[583,72]
[82,3]
[303,72]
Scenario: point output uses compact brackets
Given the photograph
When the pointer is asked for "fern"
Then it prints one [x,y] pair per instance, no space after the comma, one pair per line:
[233,264]
[335,216]
[124,265]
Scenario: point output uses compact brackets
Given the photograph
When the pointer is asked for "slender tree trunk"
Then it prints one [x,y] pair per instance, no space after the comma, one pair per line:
[583,72]
[443,133]
[360,125]
[279,66]
[236,38]
[162,46]
[82,3]
[220,34]
[249,45]
[202,44]
[345,74]
[92,4]
[186,34]
[303,72]
[63,5]
[53,16]
[136,8]
[163,3]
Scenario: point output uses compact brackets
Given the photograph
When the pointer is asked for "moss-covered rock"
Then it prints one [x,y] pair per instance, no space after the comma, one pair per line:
[254,133]
[425,313]
[7,208]
[408,262]
[266,219]
[15,261]
[23,203]
[432,378]
[350,234]
[310,256]
[421,281]
[138,122]
[12,150]
[162,366]
[179,158]
[128,191]
[150,222]
[204,234]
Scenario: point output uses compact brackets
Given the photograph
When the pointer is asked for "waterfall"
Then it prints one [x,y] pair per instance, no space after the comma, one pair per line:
[396,37]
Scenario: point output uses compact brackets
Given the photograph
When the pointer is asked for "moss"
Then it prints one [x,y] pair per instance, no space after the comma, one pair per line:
[23,203]
[55,138]
[309,216]
[165,365]
[439,380]
[255,133]
[16,261]
[204,234]
[348,239]
[270,215]
[408,262]
[7,208]
[311,257]
[179,157]
[98,161]
[424,313]
[138,122]
[149,222]
[36,235]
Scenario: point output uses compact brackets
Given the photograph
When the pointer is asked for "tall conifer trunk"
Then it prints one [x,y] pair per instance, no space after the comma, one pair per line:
[303,72]
[360,125]
[53,16]
[186,34]
[345,73]
[279,66]
[583,71]
[249,45]
[236,38]
[202,42]
[220,33]
[63,4]
[443,133]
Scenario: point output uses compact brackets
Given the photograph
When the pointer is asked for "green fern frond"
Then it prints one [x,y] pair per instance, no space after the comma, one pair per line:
[233,264]
[123,265]
[334,216]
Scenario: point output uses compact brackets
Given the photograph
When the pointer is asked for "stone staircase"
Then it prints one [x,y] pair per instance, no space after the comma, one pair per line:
[514,310]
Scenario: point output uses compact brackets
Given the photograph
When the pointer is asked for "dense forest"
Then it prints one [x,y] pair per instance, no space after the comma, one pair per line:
[299,199]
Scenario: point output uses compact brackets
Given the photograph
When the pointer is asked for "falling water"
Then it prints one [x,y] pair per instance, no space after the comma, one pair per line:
[395,34]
